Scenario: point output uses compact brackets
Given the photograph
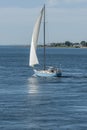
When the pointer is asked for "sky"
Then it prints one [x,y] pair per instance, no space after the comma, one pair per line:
[66,20]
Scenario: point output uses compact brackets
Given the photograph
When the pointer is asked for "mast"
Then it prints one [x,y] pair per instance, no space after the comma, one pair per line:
[44,39]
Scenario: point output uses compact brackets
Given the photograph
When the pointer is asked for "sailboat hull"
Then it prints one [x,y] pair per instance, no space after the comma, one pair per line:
[46,73]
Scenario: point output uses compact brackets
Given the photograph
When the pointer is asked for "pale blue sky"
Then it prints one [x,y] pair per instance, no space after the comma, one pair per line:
[66,20]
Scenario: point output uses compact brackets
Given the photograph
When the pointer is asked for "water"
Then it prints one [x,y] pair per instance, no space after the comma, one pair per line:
[29,103]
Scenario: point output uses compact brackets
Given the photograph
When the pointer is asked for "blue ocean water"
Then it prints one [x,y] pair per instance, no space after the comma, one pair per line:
[30,103]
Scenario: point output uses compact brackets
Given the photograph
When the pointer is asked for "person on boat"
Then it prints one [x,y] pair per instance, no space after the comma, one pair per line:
[51,70]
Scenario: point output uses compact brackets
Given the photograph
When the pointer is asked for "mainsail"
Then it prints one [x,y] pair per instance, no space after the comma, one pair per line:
[33,55]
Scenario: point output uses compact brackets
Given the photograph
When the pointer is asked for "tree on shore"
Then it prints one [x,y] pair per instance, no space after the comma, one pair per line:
[84,43]
[68,43]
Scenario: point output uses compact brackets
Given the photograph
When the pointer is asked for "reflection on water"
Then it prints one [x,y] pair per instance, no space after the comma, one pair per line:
[33,85]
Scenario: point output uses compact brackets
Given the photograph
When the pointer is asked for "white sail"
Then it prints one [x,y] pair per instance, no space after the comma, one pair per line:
[33,55]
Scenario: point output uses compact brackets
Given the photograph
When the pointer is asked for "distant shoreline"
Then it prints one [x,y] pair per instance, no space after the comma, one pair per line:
[28,46]
[66,44]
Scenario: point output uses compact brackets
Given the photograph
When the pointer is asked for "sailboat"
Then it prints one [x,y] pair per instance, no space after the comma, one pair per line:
[45,72]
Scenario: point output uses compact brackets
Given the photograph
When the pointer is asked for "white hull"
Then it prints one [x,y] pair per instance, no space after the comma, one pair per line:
[48,73]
